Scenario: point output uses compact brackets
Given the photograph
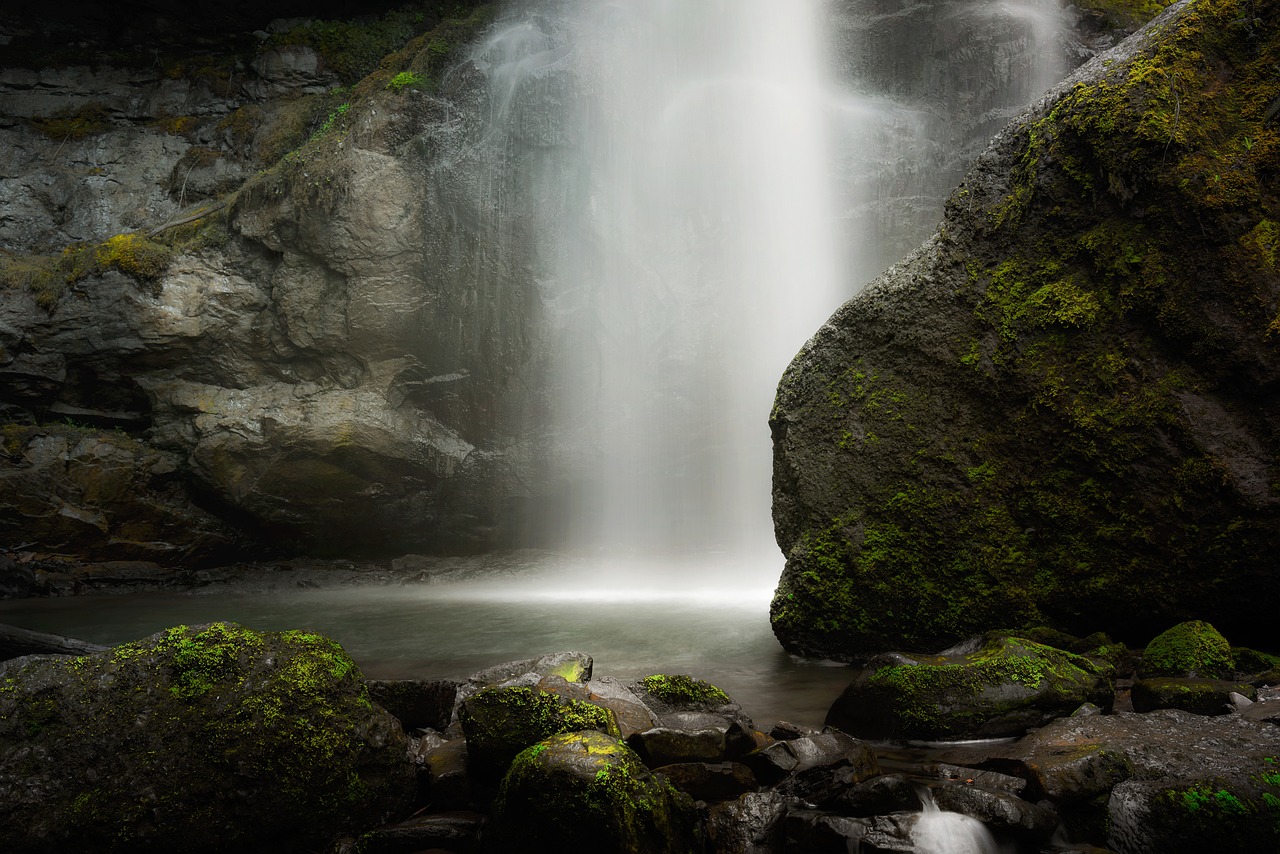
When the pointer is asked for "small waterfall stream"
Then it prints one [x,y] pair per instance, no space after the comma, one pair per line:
[940,832]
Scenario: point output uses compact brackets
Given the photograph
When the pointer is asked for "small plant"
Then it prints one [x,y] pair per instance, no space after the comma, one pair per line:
[405,80]
[339,112]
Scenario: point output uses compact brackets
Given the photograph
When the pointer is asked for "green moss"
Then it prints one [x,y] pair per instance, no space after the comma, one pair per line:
[501,722]
[682,690]
[406,80]
[87,120]
[1190,648]
[134,255]
[588,791]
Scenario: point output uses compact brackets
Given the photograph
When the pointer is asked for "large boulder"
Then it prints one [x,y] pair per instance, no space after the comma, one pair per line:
[586,791]
[1000,686]
[1062,404]
[196,739]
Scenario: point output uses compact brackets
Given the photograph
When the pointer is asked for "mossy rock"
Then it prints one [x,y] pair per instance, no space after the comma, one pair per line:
[1061,405]
[1193,648]
[1198,696]
[587,791]
[1252,661]
[501,722]
[681,691]
[1235,812]
[1002,688]
[202,739]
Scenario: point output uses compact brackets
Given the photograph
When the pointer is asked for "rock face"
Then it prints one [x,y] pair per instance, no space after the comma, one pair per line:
[339,341]
[195,739]
[1061,405]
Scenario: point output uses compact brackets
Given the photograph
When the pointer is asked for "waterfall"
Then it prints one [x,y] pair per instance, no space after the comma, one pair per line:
[941,832]
[704,182]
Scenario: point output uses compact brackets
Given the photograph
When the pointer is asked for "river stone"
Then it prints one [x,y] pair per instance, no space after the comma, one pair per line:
[663,746]
[457,830]
[877,796]
[269,738]
[749,825]
[679,693]
[998,810]
[818,765]
[587,791]
[1003,687]
[501,722]
[1235,812]
[816,832]
[1200,696]
[1037,416]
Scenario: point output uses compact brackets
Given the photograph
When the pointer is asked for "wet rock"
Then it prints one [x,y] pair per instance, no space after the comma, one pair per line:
[679,693]
[457,831]
[417,703]
[998,810]
[985,779]
[785,730]
[749,825]
[586,791]
[662,746]
[16,642]
[878,796]
[571,666]
[821,758]
[900,532]
[501,722]
[1263,712]
[632,715]
[443,778]
[1193,813]
[999,686]
[269,737]
[710,782]
[1199,696]
[811,832]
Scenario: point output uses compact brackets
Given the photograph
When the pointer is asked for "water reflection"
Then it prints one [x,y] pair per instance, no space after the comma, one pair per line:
[716,629]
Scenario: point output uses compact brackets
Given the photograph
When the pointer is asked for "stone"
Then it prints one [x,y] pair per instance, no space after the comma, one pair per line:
[586,791]
[501,722]
[269,737]
[749,825]
[1192,813]
[880,795]
[679,693]
[662,746]
[418,704]
[443,779]
[710,781]
[819,833]
[827,759]
[1200,696]
[999,811]
[451,831]
[1190,649]
[989,434]
[1002,687]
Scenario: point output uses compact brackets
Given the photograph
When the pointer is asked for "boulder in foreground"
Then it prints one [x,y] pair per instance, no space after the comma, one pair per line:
[197,739]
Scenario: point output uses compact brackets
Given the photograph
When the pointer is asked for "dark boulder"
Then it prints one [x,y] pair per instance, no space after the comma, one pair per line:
[999,811]
[878,796]
[1000,686]
[711,782]
[501,722]
[586,791]
[1199,696]
[198,739]
[1062,404]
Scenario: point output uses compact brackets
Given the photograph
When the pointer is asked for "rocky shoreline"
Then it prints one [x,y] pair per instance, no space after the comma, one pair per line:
[135,747]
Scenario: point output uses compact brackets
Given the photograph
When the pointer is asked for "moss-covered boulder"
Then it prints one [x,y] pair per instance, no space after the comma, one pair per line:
[1193,648]
[1238,811]
[1064,403]
[501,722]
[1001,687]
[586,791]
[1198,696]
[201,739]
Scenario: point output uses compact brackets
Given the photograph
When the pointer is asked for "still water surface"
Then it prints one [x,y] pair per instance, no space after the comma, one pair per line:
[637,624]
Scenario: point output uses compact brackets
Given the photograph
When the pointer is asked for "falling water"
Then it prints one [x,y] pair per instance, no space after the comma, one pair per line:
[708,180]
[941,832]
